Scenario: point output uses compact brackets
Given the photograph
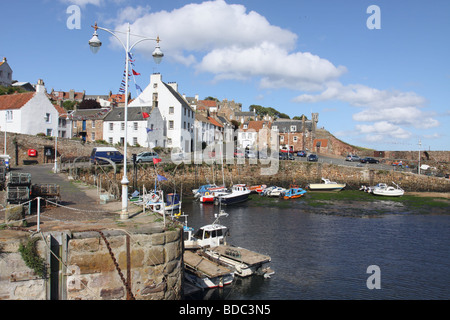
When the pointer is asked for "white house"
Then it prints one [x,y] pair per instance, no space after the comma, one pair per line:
[143,126]
[29,113]
[178,116]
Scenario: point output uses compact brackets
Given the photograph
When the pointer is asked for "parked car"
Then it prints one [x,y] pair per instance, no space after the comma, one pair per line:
[352,158]
[249,154]
[369,160]
[286,156]
[146,157]
[301,153]
[106,152]
[312,157]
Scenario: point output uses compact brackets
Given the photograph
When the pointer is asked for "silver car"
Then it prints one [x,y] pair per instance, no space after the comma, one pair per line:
[146,157]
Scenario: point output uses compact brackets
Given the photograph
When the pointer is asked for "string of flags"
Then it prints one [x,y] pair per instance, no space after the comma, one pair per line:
[133,73]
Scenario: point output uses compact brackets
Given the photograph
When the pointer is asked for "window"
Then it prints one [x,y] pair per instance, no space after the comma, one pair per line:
[49,132]
[275,128]
[75,124]
[135,125]
[184,125]
[295,139]
[93,124]
[245,126]
[171,124]
[135,141]
[93,136]
[171,110]
[281,138]
[47,118]
[110,140]
[9,115]
[169,141]
[111,127]
[122,126]
[293,128]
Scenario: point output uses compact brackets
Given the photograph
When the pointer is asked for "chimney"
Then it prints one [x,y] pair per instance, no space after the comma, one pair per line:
[40,86]
[174,86]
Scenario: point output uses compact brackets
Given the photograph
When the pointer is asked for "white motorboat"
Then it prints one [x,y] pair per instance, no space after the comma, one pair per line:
[274,191]
[327,185]
[388,191]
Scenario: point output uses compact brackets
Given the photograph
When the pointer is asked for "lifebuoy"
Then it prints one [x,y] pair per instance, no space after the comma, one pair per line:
[155,197]
[207,193]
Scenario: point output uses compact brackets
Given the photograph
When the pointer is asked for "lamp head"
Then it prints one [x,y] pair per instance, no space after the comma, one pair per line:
[157,54]
[95,42]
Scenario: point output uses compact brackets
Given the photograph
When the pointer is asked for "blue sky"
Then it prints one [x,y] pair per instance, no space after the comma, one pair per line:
[384,88]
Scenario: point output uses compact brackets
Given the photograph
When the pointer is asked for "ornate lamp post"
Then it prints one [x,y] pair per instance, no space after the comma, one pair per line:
[157,54]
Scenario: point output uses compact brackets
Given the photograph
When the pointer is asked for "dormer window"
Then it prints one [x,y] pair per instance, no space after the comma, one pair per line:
[293,128]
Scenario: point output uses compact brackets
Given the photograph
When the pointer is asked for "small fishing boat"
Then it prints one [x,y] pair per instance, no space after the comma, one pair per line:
[389,191]
[370,189]
[173,203]
[239,193]
[258,188]
[207,188]
[205,273]
[327,185]
[273,191]
[293,192]
[154,201]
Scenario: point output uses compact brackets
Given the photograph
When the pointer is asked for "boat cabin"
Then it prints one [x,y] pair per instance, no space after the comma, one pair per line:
[211,235]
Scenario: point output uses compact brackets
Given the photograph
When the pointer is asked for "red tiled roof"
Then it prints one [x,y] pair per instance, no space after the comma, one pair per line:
[15,101]
[256,125]
[207,103]
[214,122]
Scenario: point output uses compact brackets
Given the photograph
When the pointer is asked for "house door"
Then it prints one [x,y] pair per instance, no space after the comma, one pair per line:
[84,125]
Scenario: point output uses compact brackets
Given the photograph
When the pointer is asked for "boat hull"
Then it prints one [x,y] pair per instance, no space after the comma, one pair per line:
[233,199]
[209,283]
[325,187]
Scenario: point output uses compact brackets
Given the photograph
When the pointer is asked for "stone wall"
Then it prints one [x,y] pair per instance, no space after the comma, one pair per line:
[191,176]
[154,260]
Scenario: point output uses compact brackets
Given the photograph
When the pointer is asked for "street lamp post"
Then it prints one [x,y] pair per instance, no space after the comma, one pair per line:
[157,54]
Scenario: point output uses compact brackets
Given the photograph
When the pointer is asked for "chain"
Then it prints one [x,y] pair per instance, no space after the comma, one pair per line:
[125,283]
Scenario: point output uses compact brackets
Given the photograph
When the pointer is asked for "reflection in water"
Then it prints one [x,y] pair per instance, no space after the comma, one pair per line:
[321,249]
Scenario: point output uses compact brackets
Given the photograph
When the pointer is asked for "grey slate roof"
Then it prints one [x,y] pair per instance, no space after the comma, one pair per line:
[134,114]
[285,125]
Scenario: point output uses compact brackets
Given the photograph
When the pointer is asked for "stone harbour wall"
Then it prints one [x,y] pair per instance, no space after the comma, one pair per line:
[150,263]
[191,176]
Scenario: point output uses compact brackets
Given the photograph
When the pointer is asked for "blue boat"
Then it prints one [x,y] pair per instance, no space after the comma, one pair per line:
[173,202]
[293,192]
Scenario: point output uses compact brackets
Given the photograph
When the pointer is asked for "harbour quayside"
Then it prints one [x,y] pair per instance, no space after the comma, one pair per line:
[209,242]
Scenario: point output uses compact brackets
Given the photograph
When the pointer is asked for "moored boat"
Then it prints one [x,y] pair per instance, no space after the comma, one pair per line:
[274,191]
[239,193]
[389,191]
[293,192]
[327,185]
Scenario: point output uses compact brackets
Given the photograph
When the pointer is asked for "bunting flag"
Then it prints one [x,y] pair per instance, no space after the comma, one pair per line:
[145,115]
[161,178]
[135,73]
[148,130]
[155,161]
[138,88]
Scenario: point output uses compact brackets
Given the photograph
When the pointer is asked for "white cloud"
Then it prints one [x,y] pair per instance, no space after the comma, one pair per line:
[231,43]
[83,3]
[388,110]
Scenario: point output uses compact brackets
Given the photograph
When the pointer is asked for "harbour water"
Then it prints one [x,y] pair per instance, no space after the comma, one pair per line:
[321,246]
